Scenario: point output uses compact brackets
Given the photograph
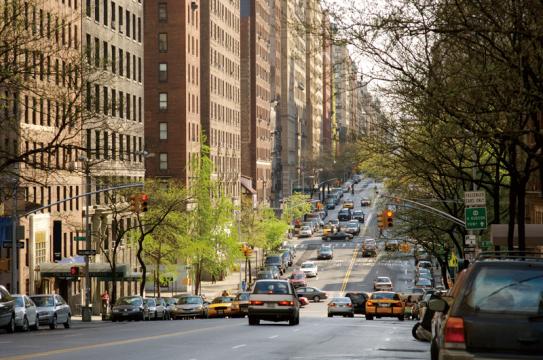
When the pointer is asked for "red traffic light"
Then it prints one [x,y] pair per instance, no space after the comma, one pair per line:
[144,197]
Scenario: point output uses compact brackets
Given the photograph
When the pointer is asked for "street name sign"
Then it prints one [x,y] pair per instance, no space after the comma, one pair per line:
[80,238]
[474,198]
[86,252]
[476,218]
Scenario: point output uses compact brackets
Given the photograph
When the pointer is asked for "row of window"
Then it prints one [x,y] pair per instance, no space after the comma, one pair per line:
[58,158]
[120,62]
[223,38]
[230,18]
[224,114]
[225,139]
[193,130]
[40,66]
[116,17]
[112,146]
[112,102]
[46,112]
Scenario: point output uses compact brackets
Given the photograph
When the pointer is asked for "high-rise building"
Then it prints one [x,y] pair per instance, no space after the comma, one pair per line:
[220,90]
[172,87]
[256,124]
[327,88]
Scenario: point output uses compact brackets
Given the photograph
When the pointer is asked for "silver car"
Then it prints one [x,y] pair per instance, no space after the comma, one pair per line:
[52,310]
[189,306]
[26,313]
[340,306]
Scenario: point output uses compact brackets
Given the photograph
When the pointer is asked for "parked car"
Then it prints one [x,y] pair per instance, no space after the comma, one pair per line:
[369,247]
[311,293]
[494,310]
[424,283]
[162,309]
[340,235]
[358,299]
[385,304]
[129,308]
[277,261]
[26,313]
[340,306]
[359,215]
[170,305]
[265,275]
[7,310]
[325,252]
[240,305]
[52,310]
[382,283]
[305,231]
[276,273]
[189,306]
[273,300]
[353,227]
[221,306]
[151,305]
[297,279]
[287,258]
[309,268]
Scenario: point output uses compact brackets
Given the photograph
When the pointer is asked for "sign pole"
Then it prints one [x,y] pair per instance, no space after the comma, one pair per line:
[14,249]
[87,312]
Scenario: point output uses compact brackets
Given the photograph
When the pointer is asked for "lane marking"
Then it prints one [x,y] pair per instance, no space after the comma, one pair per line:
[238,346]
[349,270]
[273,337]
[111,343]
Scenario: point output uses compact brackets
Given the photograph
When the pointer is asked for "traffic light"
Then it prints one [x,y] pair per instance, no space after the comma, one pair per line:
[74,271]
[389,218]
[144,202]
[134,203]
[381,220]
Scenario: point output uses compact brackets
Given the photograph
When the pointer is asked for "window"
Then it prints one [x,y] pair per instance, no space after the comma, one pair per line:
[163,101]
[113,102]
[121,59]
[113,59]
[162,72]
[163,161]
[163,42]
[97,10]
[96,52]
[106,55]
[113,8]
[162,12]
[139,29]
[87,8]
[105,12]
[121,19]
[127,23]
[163,131]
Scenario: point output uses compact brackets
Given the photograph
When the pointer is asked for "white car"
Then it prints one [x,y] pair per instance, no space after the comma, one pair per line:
[309,268]
[382,283]
[305,231]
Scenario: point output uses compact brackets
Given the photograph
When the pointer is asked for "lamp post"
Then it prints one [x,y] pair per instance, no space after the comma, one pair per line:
[14,250]
[86,311]
[237,213]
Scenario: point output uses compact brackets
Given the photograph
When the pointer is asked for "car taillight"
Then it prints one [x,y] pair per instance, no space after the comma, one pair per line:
[454,333]
[331,304]
[285,303]
[397,304]
[257,302]
[350,305]
[369,303]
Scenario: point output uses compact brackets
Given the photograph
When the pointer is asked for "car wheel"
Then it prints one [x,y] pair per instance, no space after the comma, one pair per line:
[113,319]
[25,326]
[36,324]
[253,321]
[401,318]
[293,321]
[351,315]
[53,324]
[414,330]
[369,317]
[10,328]
[68,322]
[330,315]
[316,298]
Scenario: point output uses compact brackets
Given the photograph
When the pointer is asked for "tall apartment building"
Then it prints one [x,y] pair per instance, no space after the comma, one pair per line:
[292,105]
[257,126]
[172,87]
[342,94]
[327,87]
[220,90]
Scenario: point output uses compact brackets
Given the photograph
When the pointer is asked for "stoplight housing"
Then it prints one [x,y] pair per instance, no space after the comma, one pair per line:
[144,202]
[381,220]
[134,203]
[389,216]
[74,271]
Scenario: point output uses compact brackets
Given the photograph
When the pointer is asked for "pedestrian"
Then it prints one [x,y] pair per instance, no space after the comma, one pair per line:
[225,293]
[213,279]
[243,285]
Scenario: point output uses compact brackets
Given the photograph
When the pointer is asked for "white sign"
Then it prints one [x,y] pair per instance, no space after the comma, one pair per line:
[471,240]
[474,198]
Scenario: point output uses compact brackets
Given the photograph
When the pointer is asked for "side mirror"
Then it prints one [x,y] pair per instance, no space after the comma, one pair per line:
[438,305]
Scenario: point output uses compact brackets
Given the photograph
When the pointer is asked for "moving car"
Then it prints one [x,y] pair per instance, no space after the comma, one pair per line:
[359,215]
[334,223]
[26,313]
[297,279]
[392,245]
[7,310]
[330,204]
[276,273]
[277,261]
[348,204]
[221,306]
[129,308]
[353,227]
[309,268]
[423,283]
[305,231]
[311,293]
[494,310]
[265,275]
[52,310]
[327,229]
[424,264]
[344,215]
[240,305]
[382,283]
[340,306]
[369,247]
[384,304]
[340,235]
[189,306]
[358,299]
[273,300]
[365,202]
[325,252]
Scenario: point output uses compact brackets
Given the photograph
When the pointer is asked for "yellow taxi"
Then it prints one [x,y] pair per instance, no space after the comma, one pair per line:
[349,204]
[220,307]
[240,305]
[385,304]
[327,229]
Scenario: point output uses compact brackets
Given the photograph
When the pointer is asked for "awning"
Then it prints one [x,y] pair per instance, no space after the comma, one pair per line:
[247,184]
[97,270]
[534,234]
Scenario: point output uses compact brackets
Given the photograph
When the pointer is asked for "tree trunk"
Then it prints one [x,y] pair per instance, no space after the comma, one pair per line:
[521,215]
[142,265]
[158,274]
[496,196]
[250,272]
[113,280]
[512,213]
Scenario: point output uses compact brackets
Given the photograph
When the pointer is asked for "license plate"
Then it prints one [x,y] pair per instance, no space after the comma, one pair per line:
[220,312]
[384,305]
[270,305]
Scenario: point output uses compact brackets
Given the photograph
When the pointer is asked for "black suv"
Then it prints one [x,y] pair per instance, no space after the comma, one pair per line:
[495,310]
[344,215]
[359,301]
[7,310]
[276,260]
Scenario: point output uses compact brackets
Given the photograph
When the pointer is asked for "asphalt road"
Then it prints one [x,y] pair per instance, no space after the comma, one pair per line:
[317,336]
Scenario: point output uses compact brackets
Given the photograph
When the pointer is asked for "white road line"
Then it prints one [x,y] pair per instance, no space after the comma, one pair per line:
[239,346]
[296,330]
[273,336]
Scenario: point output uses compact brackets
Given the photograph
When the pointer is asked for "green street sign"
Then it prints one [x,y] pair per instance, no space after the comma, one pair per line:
[80,238]
[476,218]
[486,244]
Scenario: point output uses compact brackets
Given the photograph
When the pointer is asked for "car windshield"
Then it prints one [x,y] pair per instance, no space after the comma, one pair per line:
[305,227]
[297,276]
[357,212]
[307,265]
[325,250]
[271,287]
[507,290]
[243,296]
[189,300]
[356,297]
[171,301]
[383,279]
[385,296]
[136,301]
[150,302]
[344,300]
[222,300]
[19,301]
[273,259]
[43,301]
[424,281]
[417,291]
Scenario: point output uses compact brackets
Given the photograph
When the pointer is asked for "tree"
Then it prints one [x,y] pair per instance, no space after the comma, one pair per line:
[295,206]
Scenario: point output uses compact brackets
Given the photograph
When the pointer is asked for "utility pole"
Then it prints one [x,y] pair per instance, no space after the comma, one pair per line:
[14,249]
[87,311]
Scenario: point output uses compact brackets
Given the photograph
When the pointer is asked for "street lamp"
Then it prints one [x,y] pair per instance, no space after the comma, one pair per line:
[86,311]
